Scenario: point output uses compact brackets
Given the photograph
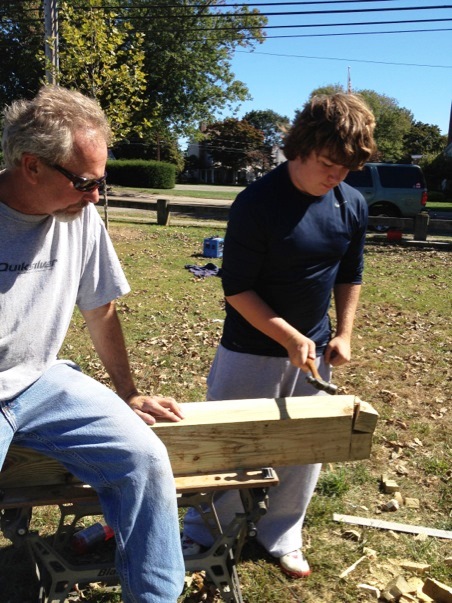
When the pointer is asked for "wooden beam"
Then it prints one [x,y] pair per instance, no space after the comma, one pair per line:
[392,525]
[36,496]
[235,434]
[226,435]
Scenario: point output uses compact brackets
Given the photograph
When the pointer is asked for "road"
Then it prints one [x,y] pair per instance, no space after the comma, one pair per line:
[209,187]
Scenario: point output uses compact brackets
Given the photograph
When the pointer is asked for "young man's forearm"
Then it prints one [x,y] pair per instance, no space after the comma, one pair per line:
[346,299]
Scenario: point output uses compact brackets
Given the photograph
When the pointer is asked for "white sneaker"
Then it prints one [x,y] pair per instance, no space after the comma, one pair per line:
[295,565]
[190,547]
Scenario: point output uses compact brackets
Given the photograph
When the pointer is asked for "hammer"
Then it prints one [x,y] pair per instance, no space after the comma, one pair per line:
[316,380]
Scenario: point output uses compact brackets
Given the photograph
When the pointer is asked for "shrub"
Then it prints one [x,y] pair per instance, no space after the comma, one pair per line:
[139,173]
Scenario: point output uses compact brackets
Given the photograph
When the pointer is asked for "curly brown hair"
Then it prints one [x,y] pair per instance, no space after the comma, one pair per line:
[339,126]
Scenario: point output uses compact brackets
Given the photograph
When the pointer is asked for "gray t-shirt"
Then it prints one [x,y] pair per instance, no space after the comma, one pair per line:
[46,268]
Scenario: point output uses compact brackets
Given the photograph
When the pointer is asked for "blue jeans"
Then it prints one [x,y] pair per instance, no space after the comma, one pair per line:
[97,437]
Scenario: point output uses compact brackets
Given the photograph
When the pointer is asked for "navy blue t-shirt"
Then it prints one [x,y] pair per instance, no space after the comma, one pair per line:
[291,249]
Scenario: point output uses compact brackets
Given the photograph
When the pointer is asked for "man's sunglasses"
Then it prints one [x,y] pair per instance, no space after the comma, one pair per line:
[85,185]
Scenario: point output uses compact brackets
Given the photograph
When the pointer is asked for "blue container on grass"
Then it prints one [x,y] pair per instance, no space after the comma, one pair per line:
[213,247]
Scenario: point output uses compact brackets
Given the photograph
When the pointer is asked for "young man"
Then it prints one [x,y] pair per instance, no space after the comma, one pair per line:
[294,238]
[55,253]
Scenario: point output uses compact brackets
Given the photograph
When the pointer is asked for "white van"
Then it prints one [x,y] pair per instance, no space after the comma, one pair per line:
[391,189]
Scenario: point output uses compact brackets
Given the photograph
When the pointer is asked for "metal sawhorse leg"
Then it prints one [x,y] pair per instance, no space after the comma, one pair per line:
[219,561]
[58,571]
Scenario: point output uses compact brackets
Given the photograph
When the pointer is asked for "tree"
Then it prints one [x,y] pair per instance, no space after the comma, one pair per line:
[103,58]
[273,125]
[424,139]
[21,40]
[393,124]
[235,144]
[188,49]
[187,58]
[329,89]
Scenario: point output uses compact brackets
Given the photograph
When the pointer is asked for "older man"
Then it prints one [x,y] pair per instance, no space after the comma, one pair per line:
[55,254]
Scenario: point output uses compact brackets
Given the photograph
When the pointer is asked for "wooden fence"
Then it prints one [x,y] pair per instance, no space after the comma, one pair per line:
[422,225]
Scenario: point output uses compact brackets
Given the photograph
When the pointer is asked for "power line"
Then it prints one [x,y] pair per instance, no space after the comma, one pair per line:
[290,13]
[241,5]
[300,56]
[324,35]
[304,25]
[329,25]
[350,33]
[235,5]
[260,14]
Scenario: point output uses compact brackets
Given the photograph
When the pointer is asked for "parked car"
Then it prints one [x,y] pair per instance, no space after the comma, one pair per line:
[391,189]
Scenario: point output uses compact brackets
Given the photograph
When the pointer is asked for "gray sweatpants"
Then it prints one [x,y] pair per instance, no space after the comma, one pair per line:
[235,376]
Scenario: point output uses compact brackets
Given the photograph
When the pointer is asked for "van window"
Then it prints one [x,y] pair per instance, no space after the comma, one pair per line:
[359,178]
[401,177]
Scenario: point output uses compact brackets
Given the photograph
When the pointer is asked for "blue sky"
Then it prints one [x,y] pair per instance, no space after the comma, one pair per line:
[413,68]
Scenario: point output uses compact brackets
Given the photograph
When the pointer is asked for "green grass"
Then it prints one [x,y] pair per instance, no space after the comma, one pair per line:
[439,206]
[402,359]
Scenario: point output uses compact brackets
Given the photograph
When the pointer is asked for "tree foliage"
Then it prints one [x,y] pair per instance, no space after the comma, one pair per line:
[189,48]
[235,144]
[106,47]
[160,69]
[273,126]
[424,139]
[21,40]
[393,124]
[104,59]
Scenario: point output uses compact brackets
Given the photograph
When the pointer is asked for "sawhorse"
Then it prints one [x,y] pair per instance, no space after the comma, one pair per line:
[214,436]
[58,570]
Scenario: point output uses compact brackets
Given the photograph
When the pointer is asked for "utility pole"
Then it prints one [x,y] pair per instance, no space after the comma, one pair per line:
[349,82]
[51,40]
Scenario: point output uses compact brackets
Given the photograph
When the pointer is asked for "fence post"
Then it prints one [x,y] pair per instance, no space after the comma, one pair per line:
[421,221]
[163,213]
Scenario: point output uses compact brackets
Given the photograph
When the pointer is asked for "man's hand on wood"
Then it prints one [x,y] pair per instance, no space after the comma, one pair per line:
[155,408]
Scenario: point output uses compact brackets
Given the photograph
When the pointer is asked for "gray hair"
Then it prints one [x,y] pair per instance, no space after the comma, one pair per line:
[45,126]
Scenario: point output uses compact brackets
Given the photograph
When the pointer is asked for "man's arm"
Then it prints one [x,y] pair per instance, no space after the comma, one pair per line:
[108,339]
[261,316]
[346,299]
